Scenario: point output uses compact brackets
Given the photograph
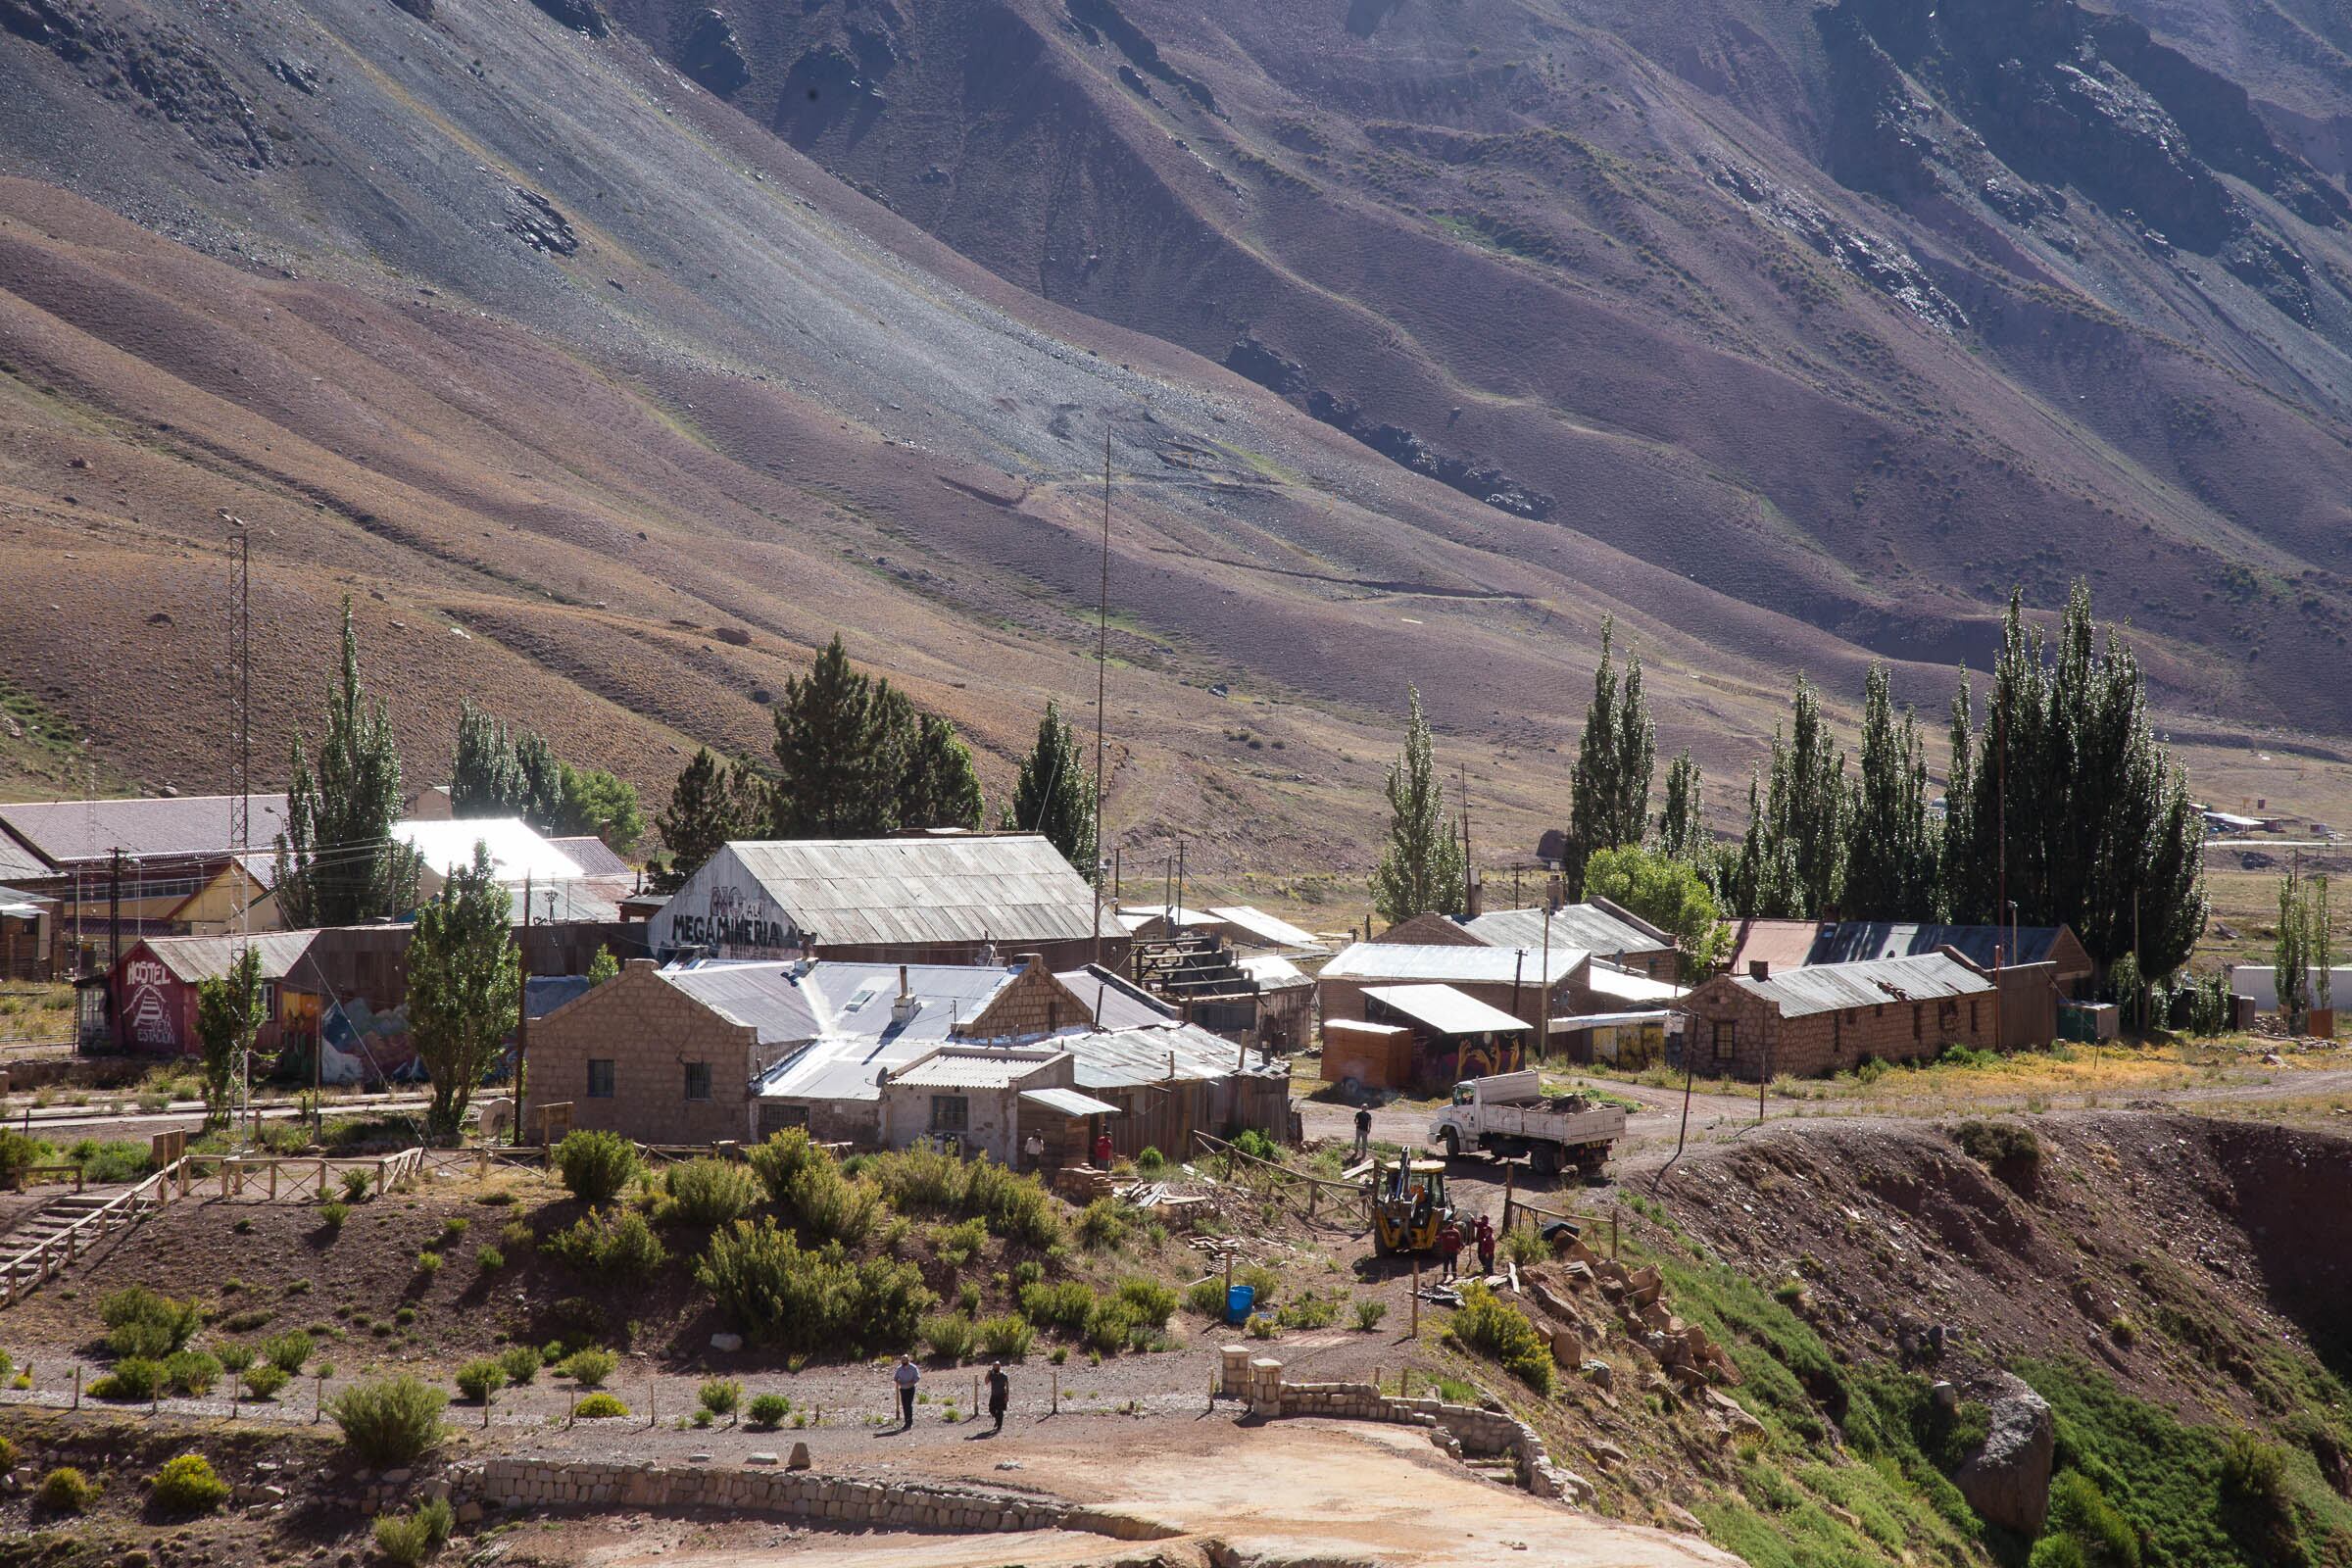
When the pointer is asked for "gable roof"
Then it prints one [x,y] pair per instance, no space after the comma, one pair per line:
[1836,986]
[1001,888]
[1126,1058]
[193,959]
[1597,927]
[1116,1001]
[1853,941]
[62,832]
[1778,943]
[973,1067]
[18,863]
[516,850]
[1445,1009]
[1259,929]
[592,856]
[1473,964]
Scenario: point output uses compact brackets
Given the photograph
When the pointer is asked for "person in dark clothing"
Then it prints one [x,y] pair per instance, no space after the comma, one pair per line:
[1363,1131]
[1486,1246]
[906,1377]
[1000,1393]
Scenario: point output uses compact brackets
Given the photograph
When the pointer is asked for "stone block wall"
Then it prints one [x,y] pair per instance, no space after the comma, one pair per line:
[649,1030]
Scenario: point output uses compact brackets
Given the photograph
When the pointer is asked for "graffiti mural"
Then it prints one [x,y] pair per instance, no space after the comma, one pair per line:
[736,924]
[150,1006]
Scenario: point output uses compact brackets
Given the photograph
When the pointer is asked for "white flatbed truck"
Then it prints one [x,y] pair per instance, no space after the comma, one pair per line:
[1508,1114]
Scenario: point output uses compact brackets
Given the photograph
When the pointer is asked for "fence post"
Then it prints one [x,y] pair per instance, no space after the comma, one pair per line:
[318,1398]
[273,1181]
[1612,1235]
[223,1175]
[1414,1332]
[77,1387]
[1509,1171]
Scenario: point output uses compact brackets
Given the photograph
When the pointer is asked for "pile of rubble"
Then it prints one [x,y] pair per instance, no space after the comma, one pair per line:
[1581,1291]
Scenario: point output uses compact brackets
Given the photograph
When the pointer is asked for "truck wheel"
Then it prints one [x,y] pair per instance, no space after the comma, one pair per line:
[1452,1143]
[1546,1158]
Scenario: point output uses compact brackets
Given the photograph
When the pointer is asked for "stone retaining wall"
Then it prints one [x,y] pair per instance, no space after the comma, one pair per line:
[1467,1428]
[897,1505]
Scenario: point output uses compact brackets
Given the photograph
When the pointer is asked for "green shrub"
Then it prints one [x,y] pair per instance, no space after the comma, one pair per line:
[287,1351]
[1308,1310]
[589,1367]
[192,1373]
[1066,1304]
[141,1323]
[489,1258]
[711,1191]
[616,1244]
[599,1408]
[480,1378]
[1028,1271]
[111,1162]
[719,1396]
[1253,1143]
[960,1243]
[769,1410]
[1109,1326]
[265,1380]
[1490,1327]
[133,1378]
[1103,1225]
[1207,1298]
[1006,1338]
[1011,1204]
[2057,1551]
[66,1490]
[520,1362]
[390,1421]
[596,1167]
[408,1538]
[2256,1499]
[1996,1143]
[332,1215]
[247,1321]
[18,1151]
[1263,1281]
[1149,1300]
[428,1262]
[806,1300]
[950,1335]
[1151,1162]
[454,1228]
[1369,1313]
[355,1185]
[187,1484]
[234,1357]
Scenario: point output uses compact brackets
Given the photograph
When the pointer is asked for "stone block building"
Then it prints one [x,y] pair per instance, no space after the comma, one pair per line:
[1830,1017]
[643,1057]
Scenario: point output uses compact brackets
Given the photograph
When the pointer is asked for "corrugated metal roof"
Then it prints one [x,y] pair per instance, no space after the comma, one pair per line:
[194,958]
[23,904]
[516,850]
[954,1069]
[1266,930]
[1402,962]
[1123,1058]
[1007,889]
[15,860]
[788,1005]
[1175,915]
[1858,940]
[543,993]
[1117,1001]
[1446,1011]
[592,856]
[63,832]
[1621,985]
[1273,971]
[1834,986]
[1586,926]
[1068,1102]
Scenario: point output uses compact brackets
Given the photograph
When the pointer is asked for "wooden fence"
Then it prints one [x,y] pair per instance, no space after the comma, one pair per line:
[30,1269]
[1346,1196]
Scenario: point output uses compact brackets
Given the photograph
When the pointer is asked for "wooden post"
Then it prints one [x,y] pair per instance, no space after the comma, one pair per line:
[1414,1332]
[77,1387]
[225,1176]
[236,1393]
[318,1398]
[322,1178]
[1612,1235]
[1057,1391]
[1509,1173]
[273,1181]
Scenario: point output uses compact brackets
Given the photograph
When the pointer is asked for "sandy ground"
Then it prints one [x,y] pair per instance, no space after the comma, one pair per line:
[1347,1495]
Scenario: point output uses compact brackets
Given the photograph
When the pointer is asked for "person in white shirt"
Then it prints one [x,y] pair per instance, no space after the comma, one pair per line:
[907,1376]
[1033,1148]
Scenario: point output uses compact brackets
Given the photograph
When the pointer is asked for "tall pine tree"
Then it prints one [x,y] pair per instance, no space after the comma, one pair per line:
[1422,869]
[1891,852]
[712,802]
[337,863]
[1055,793]
[1608,790]
[838,752]
[938,787]
[542,781]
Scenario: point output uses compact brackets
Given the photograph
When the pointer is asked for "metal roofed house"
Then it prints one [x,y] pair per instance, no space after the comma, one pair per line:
[24,920]
[1448,1035]
[518,850]
[1250,927]
[1597,926]
[1286,1000]
[1854,941]
[1169,1083]
[961,899]
[154,991]
[1827,1017]
[976,1098]
[1516,981]
[1118,1003]
[1777,944]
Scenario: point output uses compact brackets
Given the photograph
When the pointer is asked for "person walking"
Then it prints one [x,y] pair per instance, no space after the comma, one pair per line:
[1103,1150]
[1000,1394]
[906,1377]
[1363,1131]
[1486,1246]
[1449,1247]
[1033,1149]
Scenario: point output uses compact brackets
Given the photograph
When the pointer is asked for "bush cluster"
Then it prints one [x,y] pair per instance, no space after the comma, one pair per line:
[599,1408]
[1006,1338]
[769,1410]
[720,1395]
[596,1167]
[141,1323]
[389,1421]
[1011,1204]
[812,1191]
[589,1367]
[287,1351]
[480,1378]
[1490,1327]
[1995,1142]
[133,1378]
[615,1243]
[520,1364]
[187,1484]
[1103,1225]
[265,1380]
[66,1490]
[711,1191]
[408,1538]
[812,1300]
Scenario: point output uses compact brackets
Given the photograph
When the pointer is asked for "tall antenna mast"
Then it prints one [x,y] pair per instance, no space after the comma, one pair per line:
[240,648]
[1101,680]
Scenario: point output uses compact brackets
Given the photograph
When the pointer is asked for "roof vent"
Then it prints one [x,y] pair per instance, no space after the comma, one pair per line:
[904,1007]
[1759,969]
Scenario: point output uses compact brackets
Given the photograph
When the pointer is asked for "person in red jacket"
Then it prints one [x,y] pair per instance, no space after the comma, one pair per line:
[1103,1150]
[1486,1246]
[1449,1247]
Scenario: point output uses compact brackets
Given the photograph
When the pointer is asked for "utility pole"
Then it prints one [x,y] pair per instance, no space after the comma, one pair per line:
[1102,682]
[523,1010]
[240,793]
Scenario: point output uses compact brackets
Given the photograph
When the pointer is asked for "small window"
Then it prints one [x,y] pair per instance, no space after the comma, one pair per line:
[1972,1015]
[951,1113]
[599,1079]
[1724,1034]
[698,1080]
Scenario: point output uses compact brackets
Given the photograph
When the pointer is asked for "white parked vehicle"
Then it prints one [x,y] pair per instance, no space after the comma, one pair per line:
[1508,1114]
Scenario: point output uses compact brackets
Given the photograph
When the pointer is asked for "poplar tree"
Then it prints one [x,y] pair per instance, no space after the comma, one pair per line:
[542,802]
[1608,790]
[1055,793]
[1762,882]
[337,863]
[2290,961]
[837,752]
[1890,859]
[1422,869]
[229,1015]
[2099,832]
[939,787]
[465,987]
[1681,834]
[485,779]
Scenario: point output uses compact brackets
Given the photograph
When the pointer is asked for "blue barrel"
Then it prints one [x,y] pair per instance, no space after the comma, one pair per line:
[1239,1299]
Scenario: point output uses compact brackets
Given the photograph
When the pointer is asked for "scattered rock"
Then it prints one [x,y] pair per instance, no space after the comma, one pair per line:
[2008,1480]
[800,1459]
[728,1342]
[712,54]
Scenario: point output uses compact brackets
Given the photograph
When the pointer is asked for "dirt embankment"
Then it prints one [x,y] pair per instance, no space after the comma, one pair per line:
[2168,1248]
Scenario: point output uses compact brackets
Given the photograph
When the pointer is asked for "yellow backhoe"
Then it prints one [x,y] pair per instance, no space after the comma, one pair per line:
[1409,1205]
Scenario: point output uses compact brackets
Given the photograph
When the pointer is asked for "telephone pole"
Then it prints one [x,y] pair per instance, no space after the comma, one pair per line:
[1101,683]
